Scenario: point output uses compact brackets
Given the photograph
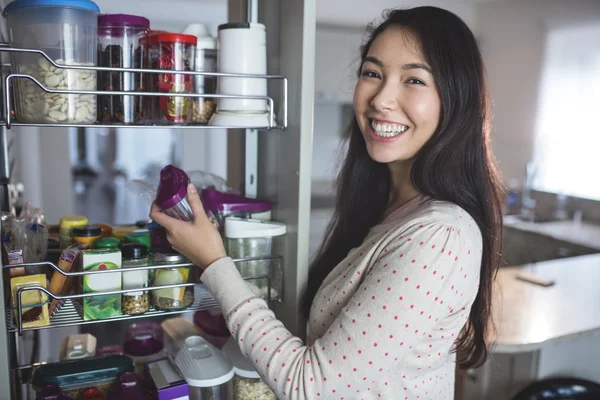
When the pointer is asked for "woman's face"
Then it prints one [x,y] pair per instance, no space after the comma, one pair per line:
[396,101]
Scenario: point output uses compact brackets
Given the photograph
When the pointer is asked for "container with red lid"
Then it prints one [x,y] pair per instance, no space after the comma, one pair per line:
[119,46]
[170,51]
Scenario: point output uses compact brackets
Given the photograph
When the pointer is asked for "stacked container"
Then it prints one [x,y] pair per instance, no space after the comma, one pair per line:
[119,47]
[66,30]
[176,52]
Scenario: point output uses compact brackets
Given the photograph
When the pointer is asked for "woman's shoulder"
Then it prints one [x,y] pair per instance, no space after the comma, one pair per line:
[433,212]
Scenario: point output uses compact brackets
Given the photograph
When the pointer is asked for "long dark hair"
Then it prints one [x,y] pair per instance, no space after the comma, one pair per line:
[455,165]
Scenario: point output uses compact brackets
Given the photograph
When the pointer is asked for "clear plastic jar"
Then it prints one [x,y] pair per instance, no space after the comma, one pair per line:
[170,51]
[137,302]
[251,389]
[174,298]
[67,32]
[119,46]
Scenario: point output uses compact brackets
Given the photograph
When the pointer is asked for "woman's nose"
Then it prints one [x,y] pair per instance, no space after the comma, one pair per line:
[386,99]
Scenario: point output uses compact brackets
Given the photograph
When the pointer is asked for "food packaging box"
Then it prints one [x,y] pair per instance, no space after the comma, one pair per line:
[34,303]
[103,306]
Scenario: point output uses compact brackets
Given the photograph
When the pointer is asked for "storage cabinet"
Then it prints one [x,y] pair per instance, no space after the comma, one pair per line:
[273,163]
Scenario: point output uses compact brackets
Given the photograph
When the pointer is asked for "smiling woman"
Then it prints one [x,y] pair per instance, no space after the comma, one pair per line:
[402,283]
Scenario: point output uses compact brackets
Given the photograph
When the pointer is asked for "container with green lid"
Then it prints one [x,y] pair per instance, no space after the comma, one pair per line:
[107,243]
[142,236]
[76,376]
[87,235]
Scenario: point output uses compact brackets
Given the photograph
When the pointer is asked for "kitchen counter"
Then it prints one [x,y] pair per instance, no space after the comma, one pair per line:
[582,234]
[528,316]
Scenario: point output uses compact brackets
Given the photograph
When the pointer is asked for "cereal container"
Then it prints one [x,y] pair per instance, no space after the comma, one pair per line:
[66,31]
[170,51]
[119,47]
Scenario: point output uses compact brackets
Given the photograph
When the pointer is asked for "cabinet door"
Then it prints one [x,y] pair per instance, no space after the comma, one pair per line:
[337,60]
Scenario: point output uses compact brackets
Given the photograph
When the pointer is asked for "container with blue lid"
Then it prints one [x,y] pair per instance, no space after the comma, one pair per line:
[66,30]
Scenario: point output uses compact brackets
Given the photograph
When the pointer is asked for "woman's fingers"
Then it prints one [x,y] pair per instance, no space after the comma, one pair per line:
[160,217]
[195,203]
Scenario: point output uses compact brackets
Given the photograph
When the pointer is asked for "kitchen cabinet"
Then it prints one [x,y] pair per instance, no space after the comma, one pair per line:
[523,247]
[282,176]
[337,59]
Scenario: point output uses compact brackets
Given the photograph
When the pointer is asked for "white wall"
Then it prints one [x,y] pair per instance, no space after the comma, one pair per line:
[512,36]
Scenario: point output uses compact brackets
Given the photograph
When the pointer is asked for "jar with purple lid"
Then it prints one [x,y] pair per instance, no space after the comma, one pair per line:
[119,46]
[144,344]
[222,205]
[171,195]
[128,387]
[52,392]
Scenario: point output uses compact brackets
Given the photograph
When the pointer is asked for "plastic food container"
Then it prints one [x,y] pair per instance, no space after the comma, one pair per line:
[78,346]
[119,46]
[66,31]
[128,387]
[172,299]
[144,344]
[247,238]
[171,195]
[110,349]
[223,205]
[170,51]
[87,235]
[206,61]
[247,384]
[74,377]
[135,255]
[213,326]
[205,369]
[52,392]
[67,224]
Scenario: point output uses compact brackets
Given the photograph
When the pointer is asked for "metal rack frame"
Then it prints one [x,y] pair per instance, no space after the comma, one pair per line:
[18,327]
[8,101]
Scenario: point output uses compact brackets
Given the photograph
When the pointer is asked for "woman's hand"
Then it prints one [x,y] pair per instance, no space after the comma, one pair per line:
[199,241]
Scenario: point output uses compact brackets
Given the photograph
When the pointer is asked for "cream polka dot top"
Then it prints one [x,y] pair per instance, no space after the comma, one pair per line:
[383,323]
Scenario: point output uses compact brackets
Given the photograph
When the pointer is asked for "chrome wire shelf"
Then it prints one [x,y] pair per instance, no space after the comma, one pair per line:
[69,313]
[8,118]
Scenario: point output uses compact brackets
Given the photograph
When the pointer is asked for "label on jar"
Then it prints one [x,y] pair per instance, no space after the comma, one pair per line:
[135,280]
[171,277]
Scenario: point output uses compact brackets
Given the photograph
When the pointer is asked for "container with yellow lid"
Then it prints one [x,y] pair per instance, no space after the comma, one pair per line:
[67,224]
[120,231]
[87,235]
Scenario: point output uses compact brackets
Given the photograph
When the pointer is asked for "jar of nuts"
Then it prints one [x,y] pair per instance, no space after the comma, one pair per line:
[135,255]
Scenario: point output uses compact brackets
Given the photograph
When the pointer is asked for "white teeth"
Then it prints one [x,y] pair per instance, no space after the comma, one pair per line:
[387,130]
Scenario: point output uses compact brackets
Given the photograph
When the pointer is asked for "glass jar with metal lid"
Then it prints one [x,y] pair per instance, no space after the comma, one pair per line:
[170,299]
[135,255]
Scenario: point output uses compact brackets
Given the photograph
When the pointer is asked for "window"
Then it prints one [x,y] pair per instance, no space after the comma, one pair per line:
[567,140]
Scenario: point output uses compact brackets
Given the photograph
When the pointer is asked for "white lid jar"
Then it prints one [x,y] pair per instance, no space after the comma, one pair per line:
[247,384]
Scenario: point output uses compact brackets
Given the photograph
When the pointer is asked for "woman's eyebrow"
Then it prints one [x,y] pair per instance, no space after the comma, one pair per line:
[405,67]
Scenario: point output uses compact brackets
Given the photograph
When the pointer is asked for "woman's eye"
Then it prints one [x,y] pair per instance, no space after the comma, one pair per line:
[370,74]
[415,81]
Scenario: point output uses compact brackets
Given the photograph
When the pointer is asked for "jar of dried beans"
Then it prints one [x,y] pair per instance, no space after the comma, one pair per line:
[170,51]
[119,47]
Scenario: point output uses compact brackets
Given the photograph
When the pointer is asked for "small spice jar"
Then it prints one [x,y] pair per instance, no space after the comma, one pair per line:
[142,236]
[107,243]
[171,299]
[135,255]
[87,235]
[170,51]
[67,223]
[203,108]
[119,46]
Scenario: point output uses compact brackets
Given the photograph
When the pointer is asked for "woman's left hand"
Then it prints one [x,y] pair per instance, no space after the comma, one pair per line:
[199,241]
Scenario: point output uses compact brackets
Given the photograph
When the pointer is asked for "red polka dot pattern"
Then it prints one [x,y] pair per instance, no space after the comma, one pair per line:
[381,335]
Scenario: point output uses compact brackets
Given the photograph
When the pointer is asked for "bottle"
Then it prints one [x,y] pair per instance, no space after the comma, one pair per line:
[171,195]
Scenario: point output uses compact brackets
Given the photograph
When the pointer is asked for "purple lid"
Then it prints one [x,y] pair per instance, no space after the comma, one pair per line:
[218,201]
[172,188]
[123,20]
[52,392]
[128,387]
[143,339]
